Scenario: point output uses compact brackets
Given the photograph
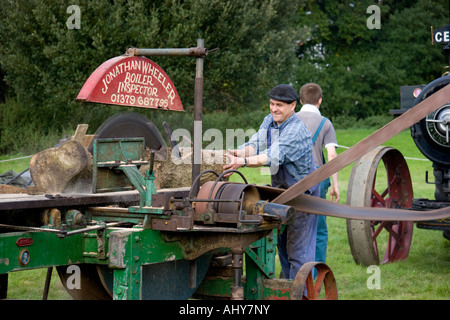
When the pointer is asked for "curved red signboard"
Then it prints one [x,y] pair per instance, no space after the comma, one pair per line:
[131,81]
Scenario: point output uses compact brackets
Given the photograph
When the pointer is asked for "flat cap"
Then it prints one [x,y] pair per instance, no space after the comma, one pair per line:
[284,93]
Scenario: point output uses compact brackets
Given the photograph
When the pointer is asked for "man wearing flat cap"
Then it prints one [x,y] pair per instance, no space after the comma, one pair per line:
[284,144]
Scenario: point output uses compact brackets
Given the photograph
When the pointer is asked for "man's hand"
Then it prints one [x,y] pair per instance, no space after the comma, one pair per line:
[334,194]
[232,162]
[234,159]
[236,152]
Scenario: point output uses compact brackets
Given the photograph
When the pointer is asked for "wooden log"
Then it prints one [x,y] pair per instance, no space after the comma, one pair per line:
[53,169]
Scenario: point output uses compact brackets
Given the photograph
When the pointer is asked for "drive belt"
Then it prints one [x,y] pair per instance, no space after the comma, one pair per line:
[316,205]
[380,136]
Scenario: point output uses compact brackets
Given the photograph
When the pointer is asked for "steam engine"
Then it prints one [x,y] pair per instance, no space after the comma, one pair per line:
[432,137]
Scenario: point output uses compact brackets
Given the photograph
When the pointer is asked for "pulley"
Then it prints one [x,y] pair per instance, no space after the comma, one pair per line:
[230,202]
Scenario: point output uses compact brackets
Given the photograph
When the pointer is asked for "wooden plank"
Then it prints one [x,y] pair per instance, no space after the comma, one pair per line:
[26,201]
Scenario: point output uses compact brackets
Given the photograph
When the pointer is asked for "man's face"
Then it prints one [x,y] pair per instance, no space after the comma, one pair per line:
[281,111]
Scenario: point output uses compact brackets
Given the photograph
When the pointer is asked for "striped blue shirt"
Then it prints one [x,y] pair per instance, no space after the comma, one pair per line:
[291,145]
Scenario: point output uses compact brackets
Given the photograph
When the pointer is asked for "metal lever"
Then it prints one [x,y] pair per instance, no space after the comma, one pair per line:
[152,162]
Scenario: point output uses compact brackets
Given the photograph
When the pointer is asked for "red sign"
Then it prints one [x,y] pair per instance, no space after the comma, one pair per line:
[131,81]
[24,242]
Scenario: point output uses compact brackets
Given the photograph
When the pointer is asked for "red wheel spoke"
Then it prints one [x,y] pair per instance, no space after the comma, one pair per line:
[396,235]
[319,282]
[385,192]
[310,287]
[378,230]
[386,225]
[393,181]
[378,198]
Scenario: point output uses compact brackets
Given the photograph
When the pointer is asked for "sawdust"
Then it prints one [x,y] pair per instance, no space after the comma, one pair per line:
[5,189]
[11,189]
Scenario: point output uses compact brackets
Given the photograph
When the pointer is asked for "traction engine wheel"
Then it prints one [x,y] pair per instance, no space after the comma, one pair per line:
[395,191]
[305,280]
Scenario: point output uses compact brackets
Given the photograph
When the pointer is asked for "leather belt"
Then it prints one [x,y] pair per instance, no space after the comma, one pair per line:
[315,205]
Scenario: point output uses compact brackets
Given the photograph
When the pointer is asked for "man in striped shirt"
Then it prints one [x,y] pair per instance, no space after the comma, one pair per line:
[284,144]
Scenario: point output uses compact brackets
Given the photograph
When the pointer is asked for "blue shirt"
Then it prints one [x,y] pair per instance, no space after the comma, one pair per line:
[291,146]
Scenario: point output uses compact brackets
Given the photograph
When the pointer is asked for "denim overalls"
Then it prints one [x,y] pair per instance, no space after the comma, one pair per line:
[296,244]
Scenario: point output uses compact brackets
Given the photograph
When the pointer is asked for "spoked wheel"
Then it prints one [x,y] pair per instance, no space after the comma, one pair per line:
[370,187]
[305,288]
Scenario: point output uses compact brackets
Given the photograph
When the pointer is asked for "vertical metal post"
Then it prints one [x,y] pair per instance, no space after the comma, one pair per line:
[237,262]
[48,278]
[198,107]
[199,52]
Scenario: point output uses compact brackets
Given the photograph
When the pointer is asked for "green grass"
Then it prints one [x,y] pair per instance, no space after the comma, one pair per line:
[424,275]
[16,165]
[29,285]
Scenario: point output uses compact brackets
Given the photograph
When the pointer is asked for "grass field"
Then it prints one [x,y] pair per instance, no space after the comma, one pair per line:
[424,275]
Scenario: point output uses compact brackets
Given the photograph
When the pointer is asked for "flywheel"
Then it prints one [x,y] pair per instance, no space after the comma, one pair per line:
[370,187]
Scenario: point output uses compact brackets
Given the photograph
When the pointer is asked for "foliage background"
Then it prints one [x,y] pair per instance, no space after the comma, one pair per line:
[361,70]
[43,64]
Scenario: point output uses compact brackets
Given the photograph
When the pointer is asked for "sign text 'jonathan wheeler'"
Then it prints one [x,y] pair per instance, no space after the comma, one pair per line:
[131,81]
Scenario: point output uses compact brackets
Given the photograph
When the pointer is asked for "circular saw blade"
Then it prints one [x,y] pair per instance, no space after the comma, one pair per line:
[130,125]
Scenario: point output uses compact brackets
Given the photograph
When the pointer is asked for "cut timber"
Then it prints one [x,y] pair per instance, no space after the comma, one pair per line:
[80,132]
[81,136]
[53,169]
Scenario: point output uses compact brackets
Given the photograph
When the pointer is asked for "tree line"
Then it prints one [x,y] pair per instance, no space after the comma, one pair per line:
[45,58]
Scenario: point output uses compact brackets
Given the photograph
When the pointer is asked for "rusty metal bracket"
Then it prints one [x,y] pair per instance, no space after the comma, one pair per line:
[199,51]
